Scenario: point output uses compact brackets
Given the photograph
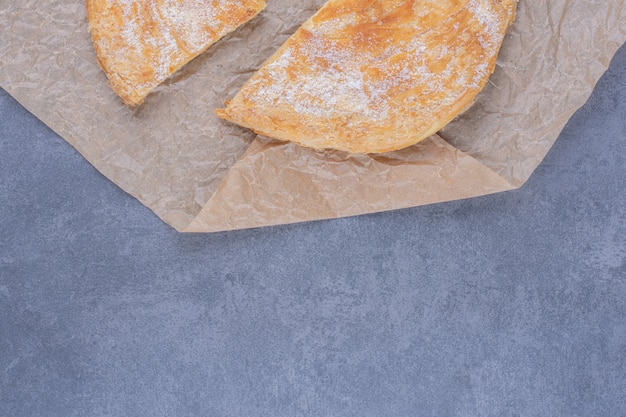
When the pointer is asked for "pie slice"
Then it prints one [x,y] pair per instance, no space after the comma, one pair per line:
[140,43]
[369,76]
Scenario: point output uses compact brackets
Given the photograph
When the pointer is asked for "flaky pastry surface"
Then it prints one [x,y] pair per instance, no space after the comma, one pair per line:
[140,43]
[369,76]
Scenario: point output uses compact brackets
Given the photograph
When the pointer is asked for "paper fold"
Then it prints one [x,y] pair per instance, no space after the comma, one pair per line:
[279,183]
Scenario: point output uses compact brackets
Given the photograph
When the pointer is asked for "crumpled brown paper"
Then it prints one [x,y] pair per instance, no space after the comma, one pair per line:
[201,174]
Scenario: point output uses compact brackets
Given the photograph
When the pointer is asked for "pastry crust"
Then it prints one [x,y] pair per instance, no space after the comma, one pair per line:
[370,76]
[140,43]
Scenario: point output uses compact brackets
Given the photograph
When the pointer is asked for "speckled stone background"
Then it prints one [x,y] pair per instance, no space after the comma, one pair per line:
[507,305]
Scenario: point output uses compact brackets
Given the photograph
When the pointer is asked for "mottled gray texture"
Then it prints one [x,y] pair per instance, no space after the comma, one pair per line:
[507,305]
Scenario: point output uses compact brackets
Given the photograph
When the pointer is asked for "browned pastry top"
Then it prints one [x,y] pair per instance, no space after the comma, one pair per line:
[374,75]
[140,43]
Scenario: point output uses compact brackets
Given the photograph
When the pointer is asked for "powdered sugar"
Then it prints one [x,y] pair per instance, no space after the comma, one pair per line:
[190,18]
[340,79]
[335,83]
[162,35]
[162,50]
[487,16]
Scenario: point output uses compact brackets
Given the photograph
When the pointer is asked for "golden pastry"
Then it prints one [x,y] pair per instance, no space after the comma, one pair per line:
[369,76]
[140,43]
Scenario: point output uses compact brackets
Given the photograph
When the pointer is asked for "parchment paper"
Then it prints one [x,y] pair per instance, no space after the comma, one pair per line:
[201,174]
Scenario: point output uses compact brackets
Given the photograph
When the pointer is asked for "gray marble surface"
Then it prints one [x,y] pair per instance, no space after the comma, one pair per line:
[506,305]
